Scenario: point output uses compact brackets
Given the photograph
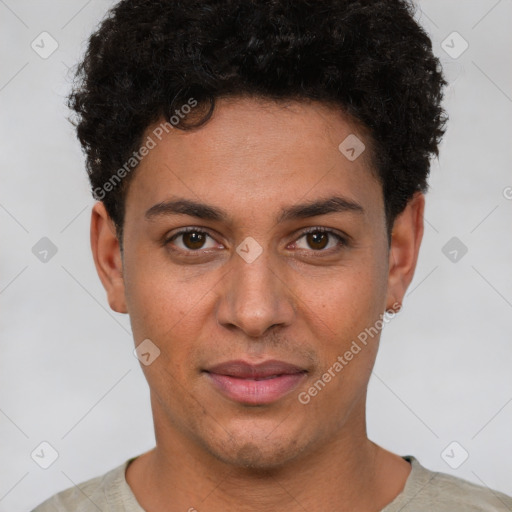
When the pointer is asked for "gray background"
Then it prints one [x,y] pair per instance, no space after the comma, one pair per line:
[67,372]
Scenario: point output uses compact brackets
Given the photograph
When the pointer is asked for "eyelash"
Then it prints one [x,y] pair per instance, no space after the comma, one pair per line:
[342,241]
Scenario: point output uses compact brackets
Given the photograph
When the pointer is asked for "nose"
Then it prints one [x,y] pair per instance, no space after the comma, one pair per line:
[255,297]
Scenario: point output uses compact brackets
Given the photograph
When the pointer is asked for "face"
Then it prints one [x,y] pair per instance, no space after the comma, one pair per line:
[255,255]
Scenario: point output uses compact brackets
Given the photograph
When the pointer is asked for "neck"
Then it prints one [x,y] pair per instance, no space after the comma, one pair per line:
[345,473]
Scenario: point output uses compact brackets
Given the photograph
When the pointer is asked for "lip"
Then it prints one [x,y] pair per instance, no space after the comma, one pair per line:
[255,384]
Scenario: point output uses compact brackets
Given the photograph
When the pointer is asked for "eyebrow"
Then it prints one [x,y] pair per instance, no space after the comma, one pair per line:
[335,204]
[186,207]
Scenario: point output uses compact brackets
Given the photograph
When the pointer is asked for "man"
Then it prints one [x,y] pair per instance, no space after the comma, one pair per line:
[260,170]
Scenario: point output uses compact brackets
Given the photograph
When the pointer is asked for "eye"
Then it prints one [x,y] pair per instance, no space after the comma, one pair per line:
[191,239]
[320,240]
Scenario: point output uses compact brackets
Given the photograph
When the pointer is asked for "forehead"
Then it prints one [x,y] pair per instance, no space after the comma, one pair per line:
[254,153]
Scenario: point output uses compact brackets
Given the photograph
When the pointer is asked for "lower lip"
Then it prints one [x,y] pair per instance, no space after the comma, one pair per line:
[256,392]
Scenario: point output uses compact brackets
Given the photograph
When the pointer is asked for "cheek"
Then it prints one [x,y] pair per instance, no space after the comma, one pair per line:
[162,299]
[174,312]
[170,313]
[339,315]
[344,302]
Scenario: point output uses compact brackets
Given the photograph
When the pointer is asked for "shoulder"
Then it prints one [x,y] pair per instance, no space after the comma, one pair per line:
[427,490]
[108,492]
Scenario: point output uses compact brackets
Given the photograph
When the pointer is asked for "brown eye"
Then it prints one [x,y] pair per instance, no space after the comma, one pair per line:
[317,240]
[320,240]
[193,240]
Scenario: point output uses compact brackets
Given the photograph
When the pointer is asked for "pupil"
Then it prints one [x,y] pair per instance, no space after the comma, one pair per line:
[193,240]
[317,240]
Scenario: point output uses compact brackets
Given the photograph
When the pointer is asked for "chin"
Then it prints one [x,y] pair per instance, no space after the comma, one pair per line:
[257,452]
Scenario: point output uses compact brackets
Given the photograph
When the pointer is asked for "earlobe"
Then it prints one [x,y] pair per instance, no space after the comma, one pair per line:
[403,254]
[107,257]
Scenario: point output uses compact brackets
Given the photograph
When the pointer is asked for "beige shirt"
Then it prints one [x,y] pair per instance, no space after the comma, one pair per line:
[424,491]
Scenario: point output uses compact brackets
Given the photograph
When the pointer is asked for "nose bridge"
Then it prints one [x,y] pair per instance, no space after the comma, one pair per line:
[254,297]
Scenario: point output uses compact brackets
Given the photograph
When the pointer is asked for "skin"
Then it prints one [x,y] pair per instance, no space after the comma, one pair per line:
[298,302]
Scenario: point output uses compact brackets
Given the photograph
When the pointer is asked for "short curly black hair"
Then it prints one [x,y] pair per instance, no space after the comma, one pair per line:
[371,58]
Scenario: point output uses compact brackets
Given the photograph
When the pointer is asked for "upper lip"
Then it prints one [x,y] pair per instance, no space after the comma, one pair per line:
[245,370]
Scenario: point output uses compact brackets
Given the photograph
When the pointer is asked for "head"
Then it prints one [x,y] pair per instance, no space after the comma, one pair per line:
[275,161]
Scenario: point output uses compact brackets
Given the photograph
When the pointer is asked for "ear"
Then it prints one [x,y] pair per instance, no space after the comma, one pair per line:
[107,257]
[406,239]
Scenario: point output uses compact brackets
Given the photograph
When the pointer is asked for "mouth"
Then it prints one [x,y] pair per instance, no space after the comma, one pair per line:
[255,384]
